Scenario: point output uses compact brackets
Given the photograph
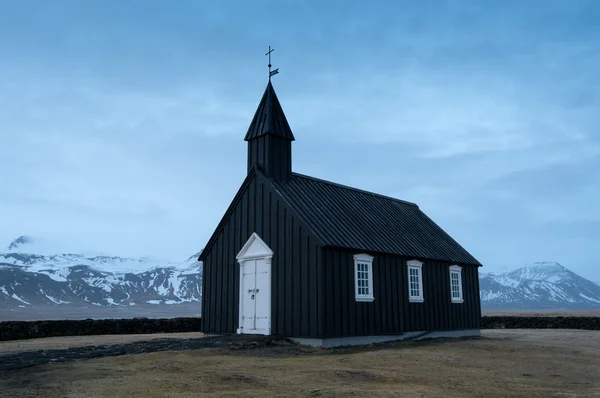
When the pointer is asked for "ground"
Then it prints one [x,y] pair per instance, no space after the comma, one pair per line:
[523,362]
[58,343]
[60,312]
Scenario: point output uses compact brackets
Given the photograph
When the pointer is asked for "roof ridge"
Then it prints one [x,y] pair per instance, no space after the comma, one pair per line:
[354,189]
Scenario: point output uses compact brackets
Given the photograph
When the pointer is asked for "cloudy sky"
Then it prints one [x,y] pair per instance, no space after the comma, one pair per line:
[122,122]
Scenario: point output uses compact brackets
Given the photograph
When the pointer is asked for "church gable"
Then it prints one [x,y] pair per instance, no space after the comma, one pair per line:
[241,193]
[258,208]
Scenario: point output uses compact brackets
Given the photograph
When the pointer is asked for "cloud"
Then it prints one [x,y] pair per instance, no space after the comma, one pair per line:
[124,122]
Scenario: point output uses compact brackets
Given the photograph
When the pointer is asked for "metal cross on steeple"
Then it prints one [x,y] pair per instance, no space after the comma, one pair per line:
[276,71]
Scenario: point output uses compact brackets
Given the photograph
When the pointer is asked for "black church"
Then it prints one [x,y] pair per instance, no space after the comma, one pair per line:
[328,264]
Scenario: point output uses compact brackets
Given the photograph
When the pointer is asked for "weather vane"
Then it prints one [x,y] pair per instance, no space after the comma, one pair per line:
[275,71]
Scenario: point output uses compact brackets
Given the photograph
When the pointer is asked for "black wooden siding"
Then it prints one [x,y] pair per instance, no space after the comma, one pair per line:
[313,286]
[295,265]
[273,155]
[391,312]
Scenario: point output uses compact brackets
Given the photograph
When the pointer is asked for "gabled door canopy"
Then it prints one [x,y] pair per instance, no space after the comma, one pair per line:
[255,247]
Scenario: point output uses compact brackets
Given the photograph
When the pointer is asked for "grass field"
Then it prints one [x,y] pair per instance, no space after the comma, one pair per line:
[531,363]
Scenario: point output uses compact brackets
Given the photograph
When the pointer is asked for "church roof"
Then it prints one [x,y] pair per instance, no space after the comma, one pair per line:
[269,118]
[350,218]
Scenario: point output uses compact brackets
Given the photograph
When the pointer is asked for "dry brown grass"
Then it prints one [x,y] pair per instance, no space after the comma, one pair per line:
[532,363]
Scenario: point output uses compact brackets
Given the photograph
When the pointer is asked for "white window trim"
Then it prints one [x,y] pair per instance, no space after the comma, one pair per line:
[365,259]
[418,265]
[456,269]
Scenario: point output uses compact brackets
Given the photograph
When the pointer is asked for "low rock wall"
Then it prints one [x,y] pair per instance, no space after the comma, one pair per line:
[17,330]
[540,322]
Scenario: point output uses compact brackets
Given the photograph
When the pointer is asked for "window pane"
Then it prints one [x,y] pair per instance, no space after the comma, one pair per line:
[362,279]
[413,278]
[455,284]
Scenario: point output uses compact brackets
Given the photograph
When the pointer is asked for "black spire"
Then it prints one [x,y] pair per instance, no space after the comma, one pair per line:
[270,138]
[269,118]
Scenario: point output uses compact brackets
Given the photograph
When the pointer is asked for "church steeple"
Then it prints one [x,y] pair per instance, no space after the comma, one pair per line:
[269,118]
[270,138]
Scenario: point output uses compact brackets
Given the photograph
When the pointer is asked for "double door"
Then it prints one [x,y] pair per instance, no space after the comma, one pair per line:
[255,297]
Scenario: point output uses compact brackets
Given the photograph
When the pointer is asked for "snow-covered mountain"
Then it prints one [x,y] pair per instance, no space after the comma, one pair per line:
[29,279]
[542,285]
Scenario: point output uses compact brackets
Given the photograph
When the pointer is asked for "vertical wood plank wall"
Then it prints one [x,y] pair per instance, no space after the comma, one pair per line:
[273,154]
[313,287]
[391,312]
[295,266]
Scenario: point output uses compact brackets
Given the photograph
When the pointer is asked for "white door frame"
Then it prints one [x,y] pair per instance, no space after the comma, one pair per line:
[255,249]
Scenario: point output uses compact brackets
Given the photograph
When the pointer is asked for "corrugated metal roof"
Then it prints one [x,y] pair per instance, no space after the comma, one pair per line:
[346,217]
[269,118]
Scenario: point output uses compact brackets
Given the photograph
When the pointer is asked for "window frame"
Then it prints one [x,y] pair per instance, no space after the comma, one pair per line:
[456,269]
[418,265]
[363,258]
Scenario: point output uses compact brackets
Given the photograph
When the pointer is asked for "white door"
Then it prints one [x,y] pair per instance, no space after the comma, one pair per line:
[255,287]
[255,297]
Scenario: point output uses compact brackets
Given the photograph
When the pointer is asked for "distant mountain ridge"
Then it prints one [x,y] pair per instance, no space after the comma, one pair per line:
[40,253]
[77,280]
[539,286]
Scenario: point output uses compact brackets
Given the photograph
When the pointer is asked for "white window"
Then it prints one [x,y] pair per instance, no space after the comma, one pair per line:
[363,277]
[415,281]
[456,284]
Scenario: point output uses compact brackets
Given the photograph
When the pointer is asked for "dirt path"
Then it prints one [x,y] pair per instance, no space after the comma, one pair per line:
[58,343]
[124,346]
[532,363]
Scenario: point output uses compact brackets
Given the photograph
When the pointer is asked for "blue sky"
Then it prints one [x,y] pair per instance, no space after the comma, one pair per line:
[122,122]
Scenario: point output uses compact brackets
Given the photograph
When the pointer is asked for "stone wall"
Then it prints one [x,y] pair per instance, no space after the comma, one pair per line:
[540,322]
[17,330]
